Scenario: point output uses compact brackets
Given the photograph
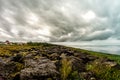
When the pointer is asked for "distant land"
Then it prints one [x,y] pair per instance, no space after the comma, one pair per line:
[104,48]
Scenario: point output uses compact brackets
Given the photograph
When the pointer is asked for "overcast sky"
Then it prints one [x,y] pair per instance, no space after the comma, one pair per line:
[60,20]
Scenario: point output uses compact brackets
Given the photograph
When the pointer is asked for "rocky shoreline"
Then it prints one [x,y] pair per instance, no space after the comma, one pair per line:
[52,63]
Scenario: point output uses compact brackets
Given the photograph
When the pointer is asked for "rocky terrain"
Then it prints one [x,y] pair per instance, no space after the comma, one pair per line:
[53,62]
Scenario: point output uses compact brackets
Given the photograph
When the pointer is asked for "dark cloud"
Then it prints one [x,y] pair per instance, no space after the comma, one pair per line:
[63,20]
[99,35]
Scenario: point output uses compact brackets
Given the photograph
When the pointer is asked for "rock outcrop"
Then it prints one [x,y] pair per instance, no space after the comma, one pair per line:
[41,69]
[52,63]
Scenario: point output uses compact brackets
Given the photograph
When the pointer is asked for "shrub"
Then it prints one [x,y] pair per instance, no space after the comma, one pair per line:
[75,76]
[65,69]
[104,72]
[38,44]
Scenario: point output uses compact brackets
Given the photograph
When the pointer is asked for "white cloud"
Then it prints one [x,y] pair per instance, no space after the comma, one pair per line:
[32,19]
[90,15]
[59,20]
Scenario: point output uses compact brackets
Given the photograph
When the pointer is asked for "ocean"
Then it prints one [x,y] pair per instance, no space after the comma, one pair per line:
[111,49]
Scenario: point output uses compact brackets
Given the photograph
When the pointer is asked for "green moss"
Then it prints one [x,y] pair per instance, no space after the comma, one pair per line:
[75,76]
[16,71]
[36,57]
[19,66]
[14,74]
[24,53]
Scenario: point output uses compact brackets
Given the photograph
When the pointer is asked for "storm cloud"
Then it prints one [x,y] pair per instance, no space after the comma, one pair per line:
[59,20]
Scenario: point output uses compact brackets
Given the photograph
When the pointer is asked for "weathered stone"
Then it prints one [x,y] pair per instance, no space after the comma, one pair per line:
[63,55]
[77,64]
[88,75]
[41,68]
[17,58]
[55,56]
[29,56]
[111,64]
[2,78]
[9,68]
[92,78]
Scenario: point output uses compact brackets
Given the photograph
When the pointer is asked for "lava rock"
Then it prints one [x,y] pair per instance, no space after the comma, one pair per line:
[39,69]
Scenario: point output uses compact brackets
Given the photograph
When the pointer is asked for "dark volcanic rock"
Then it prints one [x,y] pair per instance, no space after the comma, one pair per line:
[55,56]
[2,78]
[106,62]
[39,69]
[7,70]
[17,58]
[85,57]
[88,76]
[77,64]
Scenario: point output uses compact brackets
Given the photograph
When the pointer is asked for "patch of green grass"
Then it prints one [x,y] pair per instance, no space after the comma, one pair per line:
[65,69]
[103,71]
[75,76]
[109,56]
[100,54]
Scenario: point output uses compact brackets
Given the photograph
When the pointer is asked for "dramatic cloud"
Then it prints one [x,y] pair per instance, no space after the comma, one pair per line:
[59,20]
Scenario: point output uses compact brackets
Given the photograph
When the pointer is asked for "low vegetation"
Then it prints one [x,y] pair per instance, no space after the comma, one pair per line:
[43,61]
[65,69]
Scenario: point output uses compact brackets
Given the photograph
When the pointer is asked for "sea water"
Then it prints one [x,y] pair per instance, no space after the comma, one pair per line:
[111,49]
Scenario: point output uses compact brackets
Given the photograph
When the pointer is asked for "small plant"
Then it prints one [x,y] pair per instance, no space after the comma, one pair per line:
[104,72]
[75,76]
[65,69]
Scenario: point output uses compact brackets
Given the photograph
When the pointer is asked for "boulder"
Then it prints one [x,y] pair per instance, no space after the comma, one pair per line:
[9,70]
[88,76]
[77,64]
[39,69]
[2,78]
[110,63]
[17,58]
[55,56]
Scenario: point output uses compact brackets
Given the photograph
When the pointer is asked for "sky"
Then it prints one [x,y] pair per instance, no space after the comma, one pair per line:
[60,20]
